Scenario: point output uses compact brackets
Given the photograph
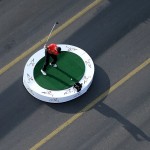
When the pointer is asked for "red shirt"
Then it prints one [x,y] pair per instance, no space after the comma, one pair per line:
[52,49]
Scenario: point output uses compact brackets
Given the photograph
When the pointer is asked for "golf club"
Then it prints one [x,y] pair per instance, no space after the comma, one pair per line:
[51,32]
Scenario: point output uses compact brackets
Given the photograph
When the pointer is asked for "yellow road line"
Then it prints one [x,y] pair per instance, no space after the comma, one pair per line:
[55,32]
[90,105]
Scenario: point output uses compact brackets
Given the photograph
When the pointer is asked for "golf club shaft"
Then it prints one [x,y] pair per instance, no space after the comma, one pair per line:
[51,32]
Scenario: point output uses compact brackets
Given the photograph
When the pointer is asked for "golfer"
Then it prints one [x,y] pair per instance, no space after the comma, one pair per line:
[52,51]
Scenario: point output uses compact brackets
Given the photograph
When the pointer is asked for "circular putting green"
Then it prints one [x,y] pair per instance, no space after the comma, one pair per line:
[70,70]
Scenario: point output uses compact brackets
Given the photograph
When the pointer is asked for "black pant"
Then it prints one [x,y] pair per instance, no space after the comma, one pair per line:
[47,58]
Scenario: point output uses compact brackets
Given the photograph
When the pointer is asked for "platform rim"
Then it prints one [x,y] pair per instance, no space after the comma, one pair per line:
[61,95]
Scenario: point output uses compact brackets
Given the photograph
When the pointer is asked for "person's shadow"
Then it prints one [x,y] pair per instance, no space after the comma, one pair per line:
[137,133]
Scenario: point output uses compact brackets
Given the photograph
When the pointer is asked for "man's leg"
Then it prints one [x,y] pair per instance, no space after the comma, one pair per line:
[43,70]
[53,63]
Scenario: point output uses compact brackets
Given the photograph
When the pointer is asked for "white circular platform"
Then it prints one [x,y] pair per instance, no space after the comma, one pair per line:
[58,96]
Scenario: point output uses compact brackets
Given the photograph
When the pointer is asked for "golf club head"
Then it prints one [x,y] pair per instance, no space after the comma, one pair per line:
[57,22]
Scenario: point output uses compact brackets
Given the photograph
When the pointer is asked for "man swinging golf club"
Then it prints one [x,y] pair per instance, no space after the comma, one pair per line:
[52,51]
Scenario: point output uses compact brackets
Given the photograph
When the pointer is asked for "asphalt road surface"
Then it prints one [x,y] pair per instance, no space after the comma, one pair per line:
[116,34]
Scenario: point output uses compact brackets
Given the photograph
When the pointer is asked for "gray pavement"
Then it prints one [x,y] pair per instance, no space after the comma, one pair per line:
[116,34]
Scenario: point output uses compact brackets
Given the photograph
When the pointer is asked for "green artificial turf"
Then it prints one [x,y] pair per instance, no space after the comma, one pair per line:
[70,66]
